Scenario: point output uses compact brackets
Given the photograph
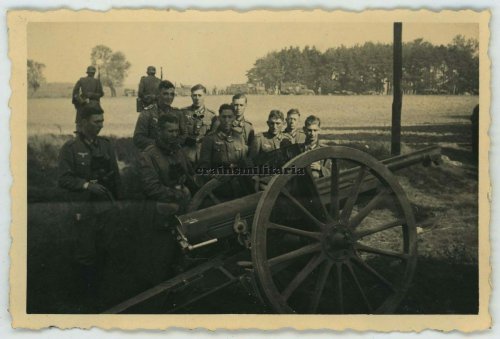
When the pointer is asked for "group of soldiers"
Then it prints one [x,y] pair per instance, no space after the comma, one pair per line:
[173,143]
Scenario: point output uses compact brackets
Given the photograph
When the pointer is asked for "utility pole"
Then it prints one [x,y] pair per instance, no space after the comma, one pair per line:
[397,72]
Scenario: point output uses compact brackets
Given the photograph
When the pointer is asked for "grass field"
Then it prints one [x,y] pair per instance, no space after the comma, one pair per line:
[444,198]
[56,115]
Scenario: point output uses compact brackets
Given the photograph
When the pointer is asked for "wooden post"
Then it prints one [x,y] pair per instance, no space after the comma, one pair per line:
[397,66]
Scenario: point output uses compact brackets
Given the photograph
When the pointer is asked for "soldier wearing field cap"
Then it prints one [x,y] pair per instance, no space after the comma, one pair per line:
[148,89]
[88,169]
[87,89]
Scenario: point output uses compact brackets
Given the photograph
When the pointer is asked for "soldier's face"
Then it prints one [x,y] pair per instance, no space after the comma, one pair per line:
[312,133]
[293,121]
[239,106]
[226,119]
[169,133]
[93,125]
[167,96]
[275,125]
[198,98]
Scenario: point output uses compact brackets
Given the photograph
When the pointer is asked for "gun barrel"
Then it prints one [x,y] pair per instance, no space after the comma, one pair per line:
[217,221]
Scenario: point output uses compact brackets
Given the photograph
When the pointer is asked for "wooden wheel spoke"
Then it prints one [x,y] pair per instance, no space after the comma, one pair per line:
[374,273]
[316,196]
[361,215]
[340,293]
[358,234]
[388,253]
[353,196]
[296,231]
[311,248]
[213,198]
[334,190]
[320,286]
[301,207]
[302,275]
[360,288]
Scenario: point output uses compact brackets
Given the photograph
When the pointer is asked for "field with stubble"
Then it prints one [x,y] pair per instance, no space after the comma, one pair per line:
[444,198]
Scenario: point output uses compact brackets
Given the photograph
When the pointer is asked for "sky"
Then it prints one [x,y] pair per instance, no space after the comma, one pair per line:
[209,53]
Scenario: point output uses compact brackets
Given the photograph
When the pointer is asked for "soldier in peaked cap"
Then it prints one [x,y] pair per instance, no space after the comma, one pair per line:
[148,88]
[87,89]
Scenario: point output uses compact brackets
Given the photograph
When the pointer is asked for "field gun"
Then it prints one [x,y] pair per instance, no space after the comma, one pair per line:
[344,243]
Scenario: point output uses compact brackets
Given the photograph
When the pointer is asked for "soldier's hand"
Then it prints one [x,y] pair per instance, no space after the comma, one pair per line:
[96,188]
[315,166]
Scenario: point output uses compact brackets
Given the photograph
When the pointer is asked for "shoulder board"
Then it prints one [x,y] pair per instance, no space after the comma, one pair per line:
[322,143]
[149,108]
[209,110]
[186,108]
[149,149]
[248,122]
[70,141]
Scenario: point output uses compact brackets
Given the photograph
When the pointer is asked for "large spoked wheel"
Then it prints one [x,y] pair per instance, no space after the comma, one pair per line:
[343,243]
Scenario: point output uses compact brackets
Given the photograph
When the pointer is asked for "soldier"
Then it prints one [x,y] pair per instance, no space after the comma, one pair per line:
[312,128]
[269,141]
[146,131]
[87,89]
[148,89]
[199,120]
[292,128]
[240,124]
[225,147]
[88,168]
[165,170]
[166,177]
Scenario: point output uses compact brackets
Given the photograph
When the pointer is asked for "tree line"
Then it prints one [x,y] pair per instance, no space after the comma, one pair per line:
[367,68]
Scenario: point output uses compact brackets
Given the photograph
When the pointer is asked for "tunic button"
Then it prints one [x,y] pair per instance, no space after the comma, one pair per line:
[83,163]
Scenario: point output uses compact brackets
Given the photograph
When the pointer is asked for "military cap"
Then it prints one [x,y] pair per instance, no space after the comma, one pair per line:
[90,109]
[151,69]
[91,69]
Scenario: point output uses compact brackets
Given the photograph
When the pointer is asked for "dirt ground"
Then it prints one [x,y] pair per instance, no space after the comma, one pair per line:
[444,199]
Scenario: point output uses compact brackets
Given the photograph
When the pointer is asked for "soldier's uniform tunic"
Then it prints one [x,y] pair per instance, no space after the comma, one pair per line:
[297,135]
[162,169]
[221,149]
[86,88]
[146,128]
[82,161]
[148,89]
[265,143]
[325,164]
[242,126]
[199,122]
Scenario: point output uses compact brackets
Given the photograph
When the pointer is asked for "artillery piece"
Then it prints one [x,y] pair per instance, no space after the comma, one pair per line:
[343,243]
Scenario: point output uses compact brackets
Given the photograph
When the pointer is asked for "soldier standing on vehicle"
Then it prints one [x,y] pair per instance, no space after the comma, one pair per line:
[148,89]
[293,126]
[87,89]
[240,124]
[312,129]
[146,131]
[88,168]
[199,120]
[269,141]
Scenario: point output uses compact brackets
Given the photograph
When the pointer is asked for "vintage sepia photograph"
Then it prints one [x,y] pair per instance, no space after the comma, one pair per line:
[252,164]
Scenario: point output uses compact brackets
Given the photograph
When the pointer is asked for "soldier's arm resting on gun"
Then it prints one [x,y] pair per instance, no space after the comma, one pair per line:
[141,138]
